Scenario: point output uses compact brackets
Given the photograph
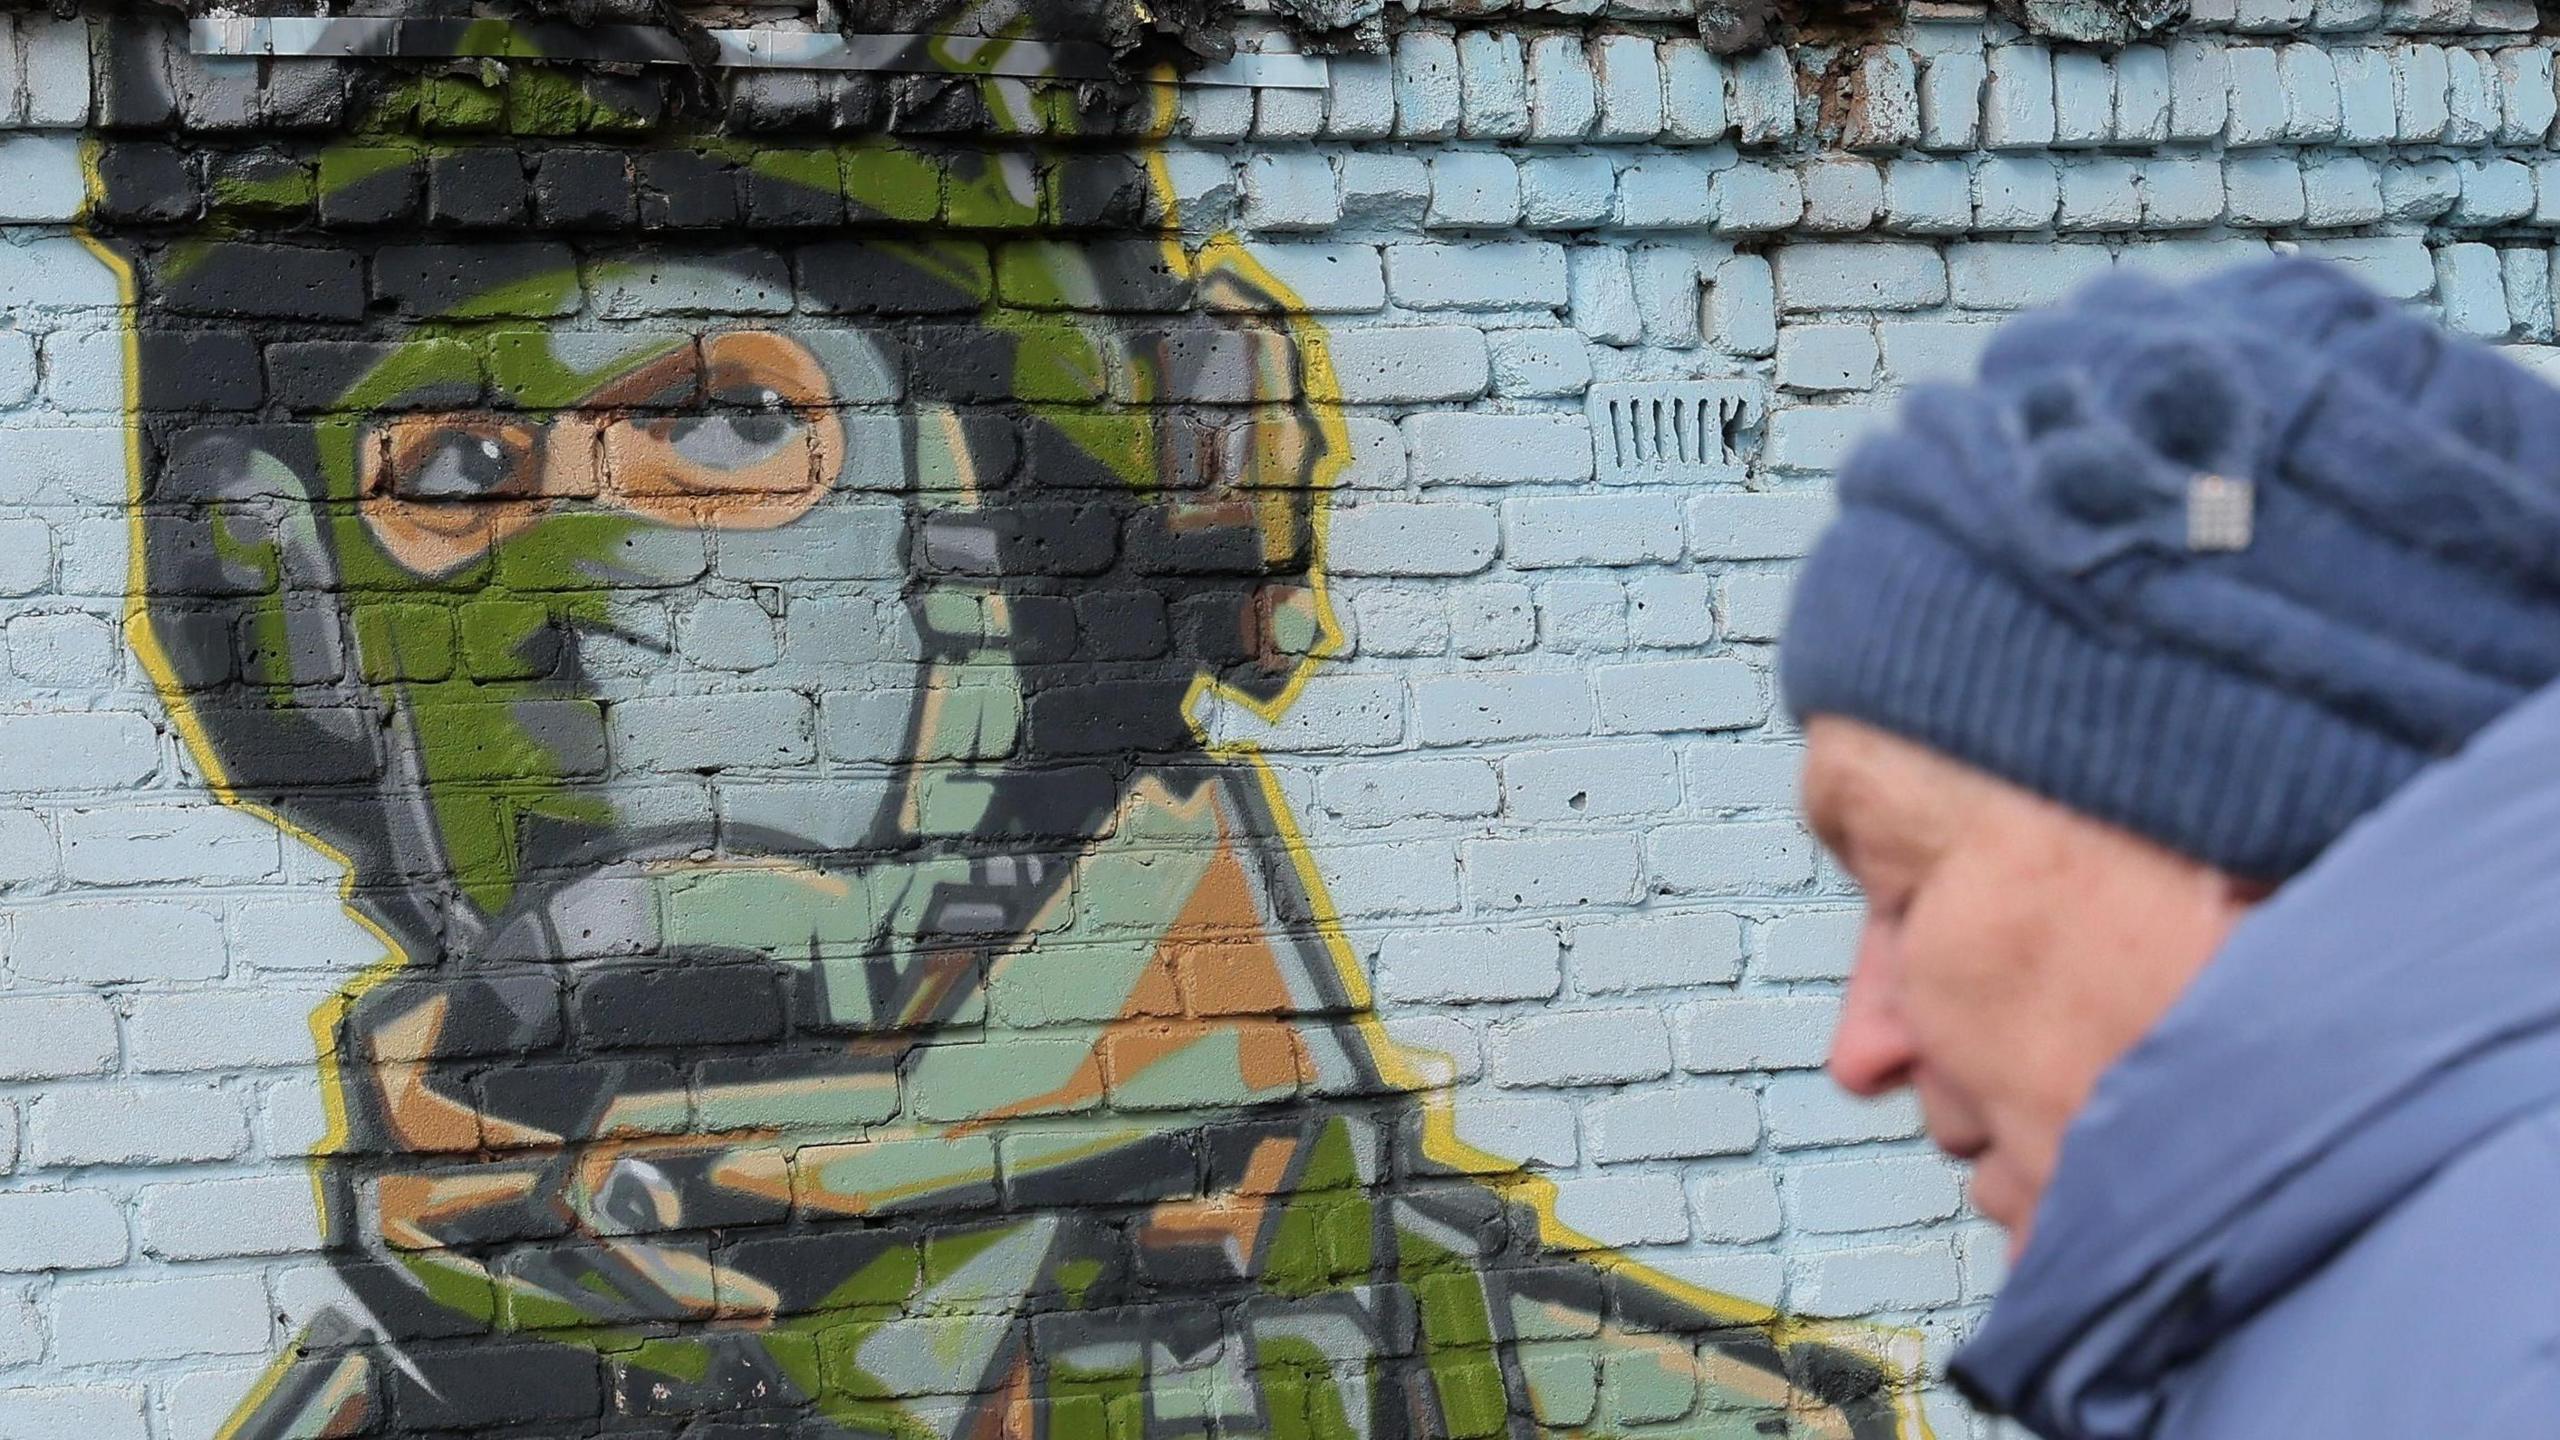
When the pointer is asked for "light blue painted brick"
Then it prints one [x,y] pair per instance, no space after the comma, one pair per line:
[73,1412]
[217,1219]
[1678,1122]
[297,934]
[214,1030]
[1479,708]
[2266,17]
[1757,199]
[1491,618]
[2257,97]
[1951,100]
[2546,192]
[1756,1032]
[1360,97]
[1666,279]
[2312,112]
[1853,275]
[40,178]
[21,1331]
[1582,616]
[1742,306]
[1805,1110]
[2084,98]
[1551,531]
[2199,90]
[2397,265]
[1216,112]
[1600,1046]
[1871,1193]
[93,1321]
[2141,115]
[1982,1256]
[2419,189]
[1290,191]
[1664,951]
[1564,97]
[1428,101]
[1820,358]
[1567,191]
[2263,189]
[128,844]
[104,942]
[1665,697]
[59,465]
[1842,193]
[1671,611]
[1875,1279]
[64,650]
[1735,1205]
[1404,364]
[2421,86]
[2341,190]
[1407,538]
[1536,1130]
[2471,97]
[1806,945]
[124,1123]
[2101,195]
[1368,793]
[1630,76]
[1204,182]
[17,367]
[1808,440]
[1916,350]
[1667,191]
[2528,101]
[1884,111]
[1732,857]
[1288,114]
[1544,872]
[1327,278]
[1457,966]
[1755,603]
[1493,274]
[1616,1211]
[1540,363]
[26,848]
[1477,188]
[2494,191]
[2473,288]
[1693,84]
[1499,449]
[1494,85]
[1762,98]
[1928,197]
[46,1037]
[56,54]
[1603,295]
[1403,878]
[55,273]
[2367,114]
[1745,525]
[2527,273]
[1566,784]
[2017,102]
[2015,192]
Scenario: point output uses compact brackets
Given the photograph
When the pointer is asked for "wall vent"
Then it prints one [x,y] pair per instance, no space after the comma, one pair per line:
[1675,430]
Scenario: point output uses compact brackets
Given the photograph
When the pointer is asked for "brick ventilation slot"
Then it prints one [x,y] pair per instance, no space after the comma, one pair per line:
[1674,430]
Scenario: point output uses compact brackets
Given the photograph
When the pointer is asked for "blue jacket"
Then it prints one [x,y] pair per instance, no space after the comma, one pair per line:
[2322,1198]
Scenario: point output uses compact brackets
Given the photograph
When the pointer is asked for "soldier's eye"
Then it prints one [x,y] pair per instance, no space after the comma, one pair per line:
[460,467]
[454,458]
[746,430]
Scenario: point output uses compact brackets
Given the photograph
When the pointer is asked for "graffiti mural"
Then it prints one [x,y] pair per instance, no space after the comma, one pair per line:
[742,609]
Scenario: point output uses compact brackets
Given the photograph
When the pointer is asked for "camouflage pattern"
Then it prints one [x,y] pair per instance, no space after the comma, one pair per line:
[915,1027]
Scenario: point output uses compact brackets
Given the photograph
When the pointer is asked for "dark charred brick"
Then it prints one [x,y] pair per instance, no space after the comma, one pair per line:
[305,375]
[1109,717]
[197,370]
[240,280]
[700,1003]
[795,191]
[963,364]
[1043,629]
[1122,624]
[198,643]
[424,280]
[361,187]
[142,183]
[483,188]
[771,101]
[585,189]
[880,277]
[856,101]
[484,1385]
[688,190]
[1100,192]
[938,105]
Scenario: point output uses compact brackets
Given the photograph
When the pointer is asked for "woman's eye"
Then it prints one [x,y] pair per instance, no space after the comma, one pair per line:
[747,430]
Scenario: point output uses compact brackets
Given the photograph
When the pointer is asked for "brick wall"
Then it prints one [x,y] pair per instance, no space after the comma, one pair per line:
[1047,782]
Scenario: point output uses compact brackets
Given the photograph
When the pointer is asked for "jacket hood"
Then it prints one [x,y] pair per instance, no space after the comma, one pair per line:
[2383,1012]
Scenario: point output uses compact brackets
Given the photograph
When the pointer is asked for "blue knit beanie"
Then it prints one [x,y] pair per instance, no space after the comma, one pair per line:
[2222,563]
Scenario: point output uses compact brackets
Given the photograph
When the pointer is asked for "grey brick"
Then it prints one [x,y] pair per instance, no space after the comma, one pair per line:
[1510,962]
[1677,1123]
[1413,539]
[63,1230]
[736,731]
[1288,114]
[1580,1047]
[1215,113]
[1537,872]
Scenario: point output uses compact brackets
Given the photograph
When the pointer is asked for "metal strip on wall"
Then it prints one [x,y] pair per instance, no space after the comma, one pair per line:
[744,49]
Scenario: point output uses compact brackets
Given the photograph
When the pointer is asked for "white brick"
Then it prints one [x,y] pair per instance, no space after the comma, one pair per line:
[1403,364]
[1581,1047]
[1693,93]
[130,844]
[1473,188]
[1734,1205]
[1540,364]
[73,1412]
[1568,192]
[1493,274]
[1630,76]
[1842,193]
[1668,192]
[91,750]
[1807,944]
[1494,88]
[1327,278]
[1758,1032]
[1290,191]
[1426,85]
[1880,1278]
[1564,98]
[1951,100]
[1742,306]
[217,1030]
[1590,530]
[1813,439]
[1853,275]
[1536,1130]
[1916,350]
[1763,94]
[1368,793]
[1671,696]
[1359,97]
[1749,526]
[1467,709]
[2018,100]
[45,1037]
[213,1219]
